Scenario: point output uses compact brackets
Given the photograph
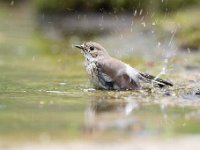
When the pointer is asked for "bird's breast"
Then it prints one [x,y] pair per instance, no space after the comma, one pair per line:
[90,67]
[92,71]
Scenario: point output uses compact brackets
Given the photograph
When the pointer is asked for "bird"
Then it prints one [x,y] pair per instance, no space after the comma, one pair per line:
[108,73]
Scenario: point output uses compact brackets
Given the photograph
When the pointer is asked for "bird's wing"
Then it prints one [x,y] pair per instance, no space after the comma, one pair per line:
[151,79]
[105,80]
[117,75]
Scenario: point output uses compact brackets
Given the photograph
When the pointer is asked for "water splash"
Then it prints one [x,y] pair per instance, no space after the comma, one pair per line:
[141,11]
[171,52]
[144,24]
[162,72]
[12,3]
[135,13]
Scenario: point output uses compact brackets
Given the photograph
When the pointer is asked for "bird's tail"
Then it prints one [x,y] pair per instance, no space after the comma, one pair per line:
[151,79]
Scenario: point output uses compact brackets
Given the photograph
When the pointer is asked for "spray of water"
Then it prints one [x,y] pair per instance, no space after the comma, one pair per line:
[170,54]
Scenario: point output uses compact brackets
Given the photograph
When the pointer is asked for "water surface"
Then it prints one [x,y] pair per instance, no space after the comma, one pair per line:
[45,94]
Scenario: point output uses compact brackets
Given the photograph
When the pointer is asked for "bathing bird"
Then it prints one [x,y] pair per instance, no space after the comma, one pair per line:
[108,73]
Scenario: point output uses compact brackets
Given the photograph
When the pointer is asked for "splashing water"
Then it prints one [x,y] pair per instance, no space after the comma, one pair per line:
[162,72]
[170,53]
[135,13]
[12,3]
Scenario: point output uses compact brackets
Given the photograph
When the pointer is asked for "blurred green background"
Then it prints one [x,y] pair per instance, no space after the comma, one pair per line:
[114,5]
[182,12]
[163,6]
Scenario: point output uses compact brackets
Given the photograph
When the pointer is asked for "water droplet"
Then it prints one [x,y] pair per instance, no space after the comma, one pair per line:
[144,24]
[12,3]
[62,83]
[135,13]
[189,51]
[41,102]
[153,23]
[166,60]
[141,12]
[89,90]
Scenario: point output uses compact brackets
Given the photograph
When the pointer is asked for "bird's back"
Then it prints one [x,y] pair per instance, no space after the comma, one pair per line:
[122,75]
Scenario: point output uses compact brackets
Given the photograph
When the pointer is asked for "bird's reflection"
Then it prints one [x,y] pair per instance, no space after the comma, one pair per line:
[130,114]
[110,114]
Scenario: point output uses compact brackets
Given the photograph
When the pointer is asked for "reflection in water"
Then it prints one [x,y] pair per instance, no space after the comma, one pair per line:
[110,113]
[137,114]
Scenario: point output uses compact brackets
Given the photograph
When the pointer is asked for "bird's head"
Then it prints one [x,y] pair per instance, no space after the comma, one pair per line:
[92,50]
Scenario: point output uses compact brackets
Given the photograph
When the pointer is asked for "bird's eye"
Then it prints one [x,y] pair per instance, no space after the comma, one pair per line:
[92,48]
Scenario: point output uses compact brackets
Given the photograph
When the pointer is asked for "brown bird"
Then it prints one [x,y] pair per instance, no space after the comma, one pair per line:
[106,72]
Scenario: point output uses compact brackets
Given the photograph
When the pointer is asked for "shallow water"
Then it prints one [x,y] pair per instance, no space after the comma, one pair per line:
[45,94]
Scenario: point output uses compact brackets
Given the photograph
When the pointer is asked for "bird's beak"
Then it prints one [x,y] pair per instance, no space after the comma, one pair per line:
[79,46]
